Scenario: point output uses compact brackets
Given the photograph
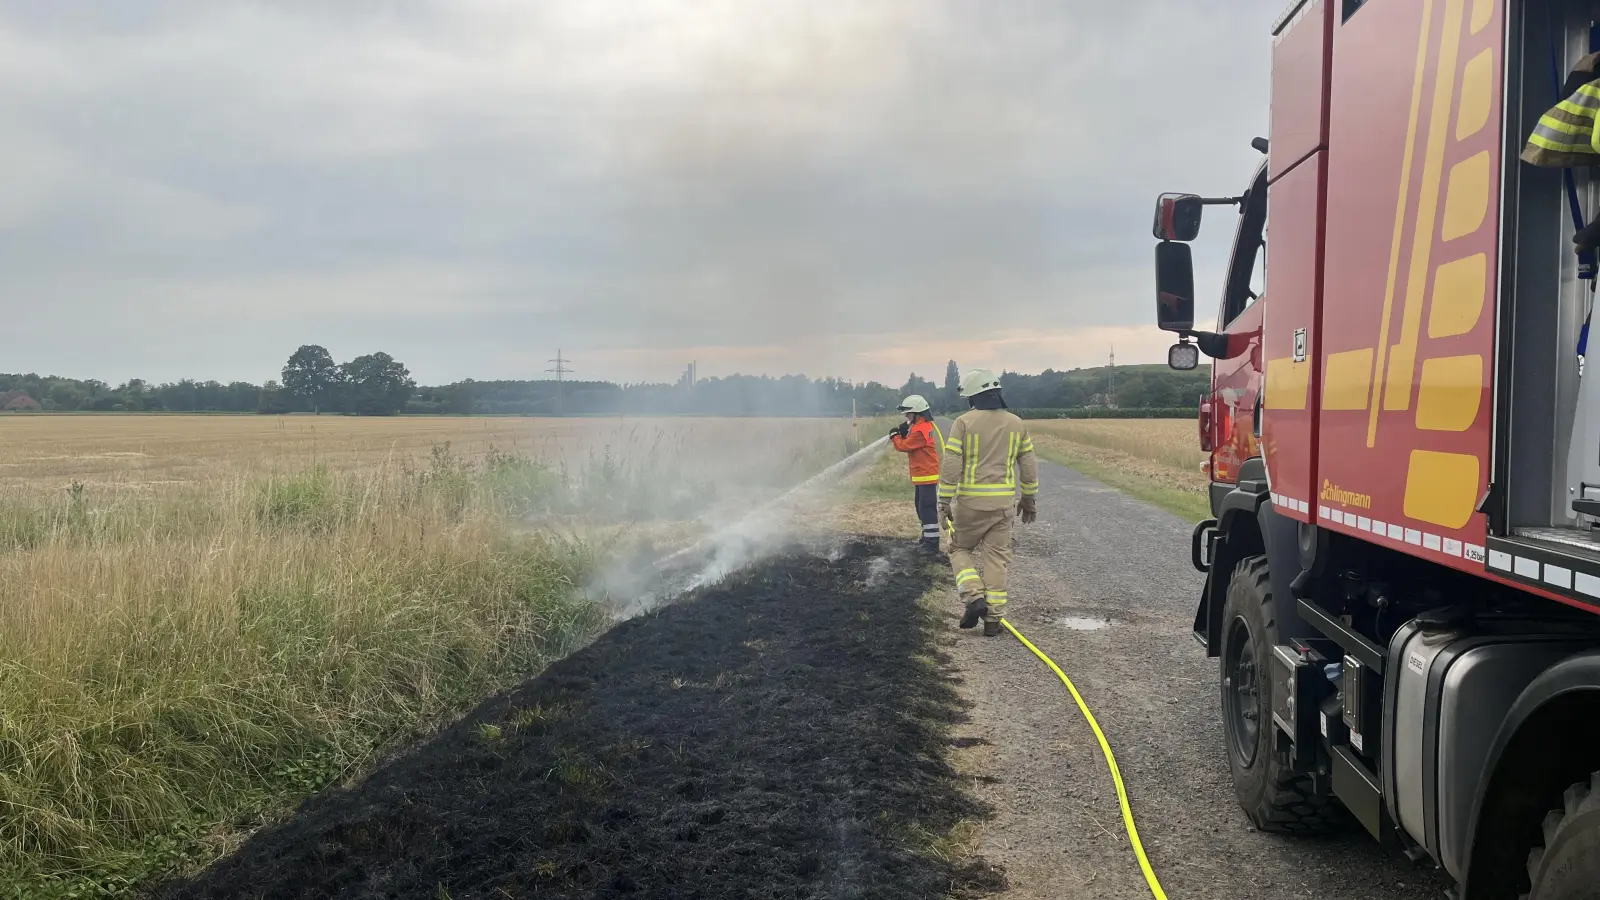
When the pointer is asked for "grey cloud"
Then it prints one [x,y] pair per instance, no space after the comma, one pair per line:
[195,189]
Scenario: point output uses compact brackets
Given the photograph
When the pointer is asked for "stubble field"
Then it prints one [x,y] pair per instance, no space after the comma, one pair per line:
[1156,460]
[203,619]
[150,453]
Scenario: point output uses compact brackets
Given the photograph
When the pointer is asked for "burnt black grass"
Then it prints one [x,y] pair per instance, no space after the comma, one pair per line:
[776,736]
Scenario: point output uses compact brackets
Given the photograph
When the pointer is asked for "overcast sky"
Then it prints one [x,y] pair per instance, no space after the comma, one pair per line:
[861,188]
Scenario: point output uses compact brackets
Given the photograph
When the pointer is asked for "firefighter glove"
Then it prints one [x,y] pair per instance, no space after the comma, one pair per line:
[904,429]
[1026,508]
[1587,239]
[944,514]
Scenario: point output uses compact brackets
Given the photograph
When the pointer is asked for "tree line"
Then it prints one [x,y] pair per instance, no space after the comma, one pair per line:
[378,384]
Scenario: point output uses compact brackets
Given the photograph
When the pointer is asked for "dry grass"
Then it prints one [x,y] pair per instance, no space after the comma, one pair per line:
[1171,443]
[132,452]
[1154,459]
[203,618]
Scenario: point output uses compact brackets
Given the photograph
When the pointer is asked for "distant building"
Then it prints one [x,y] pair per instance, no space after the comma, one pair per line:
[14,401]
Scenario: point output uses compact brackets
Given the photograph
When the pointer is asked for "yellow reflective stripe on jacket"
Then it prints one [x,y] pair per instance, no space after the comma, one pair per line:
[924,479]
[1544,143]
[988,475]
[1558,133]
[1575,109]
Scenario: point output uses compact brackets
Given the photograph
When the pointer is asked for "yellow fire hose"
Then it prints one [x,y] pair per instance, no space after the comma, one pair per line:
[1111,761]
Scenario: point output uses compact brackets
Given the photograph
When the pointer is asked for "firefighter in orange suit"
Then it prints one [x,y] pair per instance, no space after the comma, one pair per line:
[919,439]
[989,467]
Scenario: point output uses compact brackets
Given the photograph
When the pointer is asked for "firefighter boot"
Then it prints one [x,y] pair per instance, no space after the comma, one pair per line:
[976,608]
[991,627]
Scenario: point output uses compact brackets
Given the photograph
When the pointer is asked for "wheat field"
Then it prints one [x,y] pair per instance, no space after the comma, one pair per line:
[204,618]
[133,452]
[1158,460]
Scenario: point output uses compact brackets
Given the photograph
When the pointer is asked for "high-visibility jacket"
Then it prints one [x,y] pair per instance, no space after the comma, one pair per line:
[921,446]
[1566,136]
[988,461]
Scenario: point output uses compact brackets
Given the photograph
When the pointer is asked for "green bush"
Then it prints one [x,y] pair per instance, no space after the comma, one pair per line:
[523,485]
[309,500]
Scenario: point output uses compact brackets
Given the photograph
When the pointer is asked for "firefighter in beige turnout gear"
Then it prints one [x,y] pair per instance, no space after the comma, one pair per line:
[988,471]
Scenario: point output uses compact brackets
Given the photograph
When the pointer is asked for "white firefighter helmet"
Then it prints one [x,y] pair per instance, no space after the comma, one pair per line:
[914,404]
[977,381]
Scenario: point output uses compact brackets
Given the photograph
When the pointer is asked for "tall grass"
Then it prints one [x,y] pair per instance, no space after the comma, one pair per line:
[1173,443]
[175,665]
[171,667]
[1157,460]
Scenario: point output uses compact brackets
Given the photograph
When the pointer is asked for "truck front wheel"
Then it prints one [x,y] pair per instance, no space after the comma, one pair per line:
[1273,795]
[1567,867]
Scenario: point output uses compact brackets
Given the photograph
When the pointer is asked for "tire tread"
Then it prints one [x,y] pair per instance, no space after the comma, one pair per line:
[1289,804]
[1581,797]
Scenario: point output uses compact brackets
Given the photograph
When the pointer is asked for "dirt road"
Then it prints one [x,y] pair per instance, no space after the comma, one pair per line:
[1095,557]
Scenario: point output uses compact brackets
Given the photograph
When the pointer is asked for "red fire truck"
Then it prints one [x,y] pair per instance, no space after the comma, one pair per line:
[1403,564]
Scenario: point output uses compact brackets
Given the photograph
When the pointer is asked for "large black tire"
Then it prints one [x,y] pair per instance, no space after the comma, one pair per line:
[1273,795]
[1567,867]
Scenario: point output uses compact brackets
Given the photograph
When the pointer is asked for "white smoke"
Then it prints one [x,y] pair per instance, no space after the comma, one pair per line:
[637,586]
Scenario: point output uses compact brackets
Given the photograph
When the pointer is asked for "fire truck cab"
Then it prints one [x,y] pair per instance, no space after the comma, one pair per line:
[1403,559]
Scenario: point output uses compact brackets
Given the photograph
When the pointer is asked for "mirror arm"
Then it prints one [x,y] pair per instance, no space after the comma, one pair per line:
[1211,344]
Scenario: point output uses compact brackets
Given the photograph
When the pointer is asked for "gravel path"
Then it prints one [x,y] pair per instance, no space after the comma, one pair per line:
[1095,554]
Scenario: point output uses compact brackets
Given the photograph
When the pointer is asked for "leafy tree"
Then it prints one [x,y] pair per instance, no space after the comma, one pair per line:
[66,395]
[272,400]
[377,385]
[459,398]
[950,397]
[917,385]
[241,396]
[311,376]
[181,397]
[1162,392]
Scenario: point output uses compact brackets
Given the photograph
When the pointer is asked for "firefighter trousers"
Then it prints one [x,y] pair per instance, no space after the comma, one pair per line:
[927,499]
[982,538]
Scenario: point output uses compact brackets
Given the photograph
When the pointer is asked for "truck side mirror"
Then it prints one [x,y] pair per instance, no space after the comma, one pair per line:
[1177,217]
[1174,287]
